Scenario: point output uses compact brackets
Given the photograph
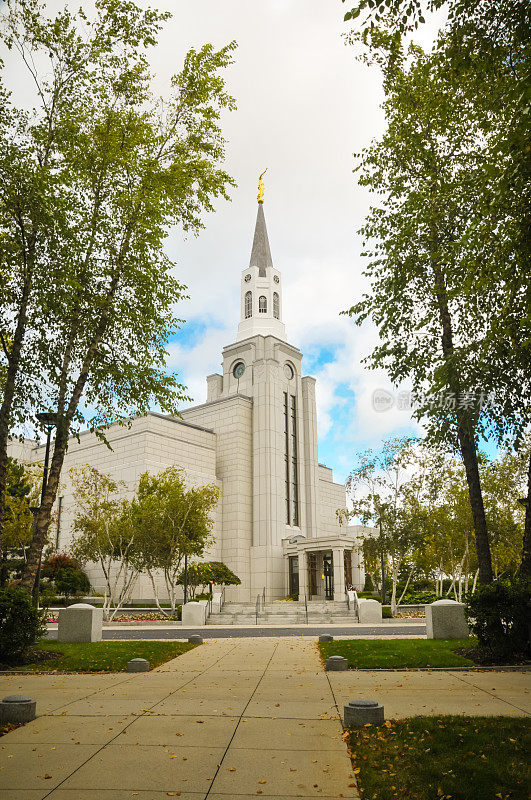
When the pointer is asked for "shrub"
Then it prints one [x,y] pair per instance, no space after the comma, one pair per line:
[419,598]
[71,582]
[386,612]
[368,587]
[21,623]
[56,562]
[204,573]
[497,614]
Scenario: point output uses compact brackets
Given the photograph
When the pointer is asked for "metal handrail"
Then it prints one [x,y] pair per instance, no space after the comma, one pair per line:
[263,597]
[306,607]
[348,600]
[222,597]
[257,608]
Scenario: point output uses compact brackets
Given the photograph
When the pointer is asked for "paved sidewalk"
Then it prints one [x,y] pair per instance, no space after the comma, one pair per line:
[406,694]
[236,718]
[231,719]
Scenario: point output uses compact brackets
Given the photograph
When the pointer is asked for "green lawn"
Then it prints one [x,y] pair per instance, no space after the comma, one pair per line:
[399,653]
[102,656]
[443,758]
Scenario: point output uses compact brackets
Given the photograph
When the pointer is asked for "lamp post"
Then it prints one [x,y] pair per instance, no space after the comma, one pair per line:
[49,420]
[185,587]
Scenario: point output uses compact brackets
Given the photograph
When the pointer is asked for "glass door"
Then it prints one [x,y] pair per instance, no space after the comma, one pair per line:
[294,575]
[328,572]
[312,575]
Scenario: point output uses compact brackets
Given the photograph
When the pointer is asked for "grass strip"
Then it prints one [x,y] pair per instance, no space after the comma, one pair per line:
[399,653]
[108,656]
[443,758]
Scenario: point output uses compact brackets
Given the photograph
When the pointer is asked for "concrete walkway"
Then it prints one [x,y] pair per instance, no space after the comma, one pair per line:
[230,719]
[234,718]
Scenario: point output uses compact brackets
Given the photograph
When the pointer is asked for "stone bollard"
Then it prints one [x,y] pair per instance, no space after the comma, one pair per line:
[195,639]
[17,708]
[194,614]
[363,712]
[80,622]
[326,637]
[138,665]
[336,663]
[445,619]
[369,611]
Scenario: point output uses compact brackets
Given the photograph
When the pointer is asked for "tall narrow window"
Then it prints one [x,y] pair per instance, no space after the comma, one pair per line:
[248,305]
[291,460]
[262,304]
[276,305]
[294,469]
[286,458]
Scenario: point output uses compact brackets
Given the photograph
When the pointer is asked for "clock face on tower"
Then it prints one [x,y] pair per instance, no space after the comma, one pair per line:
[288,371]
[238,370]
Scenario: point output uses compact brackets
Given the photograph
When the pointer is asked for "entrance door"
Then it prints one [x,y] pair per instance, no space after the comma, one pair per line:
[328,572]
[294,575]
[312,575]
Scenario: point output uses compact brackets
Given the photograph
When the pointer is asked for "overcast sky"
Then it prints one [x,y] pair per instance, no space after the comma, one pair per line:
[305,106]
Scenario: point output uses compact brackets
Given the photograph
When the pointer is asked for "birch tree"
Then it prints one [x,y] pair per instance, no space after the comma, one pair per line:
[172,520]
[91,181]
[104,535]
[449,236]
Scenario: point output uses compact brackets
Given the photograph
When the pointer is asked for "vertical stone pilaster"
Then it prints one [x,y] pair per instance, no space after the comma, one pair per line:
[309,457]
[303,575]
[339,573]
[214,387]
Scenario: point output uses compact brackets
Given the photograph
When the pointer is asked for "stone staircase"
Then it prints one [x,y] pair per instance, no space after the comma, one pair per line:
[282,612]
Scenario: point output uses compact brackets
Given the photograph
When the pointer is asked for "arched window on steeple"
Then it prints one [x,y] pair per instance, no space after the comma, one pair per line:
[276,305]
[248,305]
[262,305]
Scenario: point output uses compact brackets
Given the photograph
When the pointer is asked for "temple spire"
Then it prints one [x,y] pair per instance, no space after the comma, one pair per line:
[261,254]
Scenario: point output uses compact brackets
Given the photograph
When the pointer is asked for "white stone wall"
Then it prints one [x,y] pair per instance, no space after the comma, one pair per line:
[332,496]
[231,419]
[151,444]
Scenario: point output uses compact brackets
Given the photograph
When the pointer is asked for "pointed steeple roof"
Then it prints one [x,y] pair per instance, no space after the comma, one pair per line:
[261,254]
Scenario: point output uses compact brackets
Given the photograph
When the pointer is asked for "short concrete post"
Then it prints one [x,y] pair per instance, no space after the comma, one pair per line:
[363,712]
[80,622]
[445,619]
[336,663]
[17,708]
[195,639]
[369,610]
[194,613]
[138,665]
[326,637]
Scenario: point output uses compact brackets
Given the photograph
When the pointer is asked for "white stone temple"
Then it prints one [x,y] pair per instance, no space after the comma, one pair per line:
[276,524]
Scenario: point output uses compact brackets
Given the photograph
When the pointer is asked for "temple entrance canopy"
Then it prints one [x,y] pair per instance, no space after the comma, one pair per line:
[322,568]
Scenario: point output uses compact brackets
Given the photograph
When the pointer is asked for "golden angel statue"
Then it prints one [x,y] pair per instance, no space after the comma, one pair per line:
[261,187]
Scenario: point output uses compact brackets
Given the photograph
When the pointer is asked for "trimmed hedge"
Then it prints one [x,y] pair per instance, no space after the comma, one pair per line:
[21,623]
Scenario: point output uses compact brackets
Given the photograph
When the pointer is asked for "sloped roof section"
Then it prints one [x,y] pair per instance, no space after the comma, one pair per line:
[261,254]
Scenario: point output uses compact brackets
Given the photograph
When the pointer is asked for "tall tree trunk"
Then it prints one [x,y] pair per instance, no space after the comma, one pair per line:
[13,355]
[64,421]
[464,427]
[470,461]
[524,569]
